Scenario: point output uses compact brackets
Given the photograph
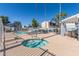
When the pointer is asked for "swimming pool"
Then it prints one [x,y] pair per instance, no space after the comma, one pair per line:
[34,43]
[21,32]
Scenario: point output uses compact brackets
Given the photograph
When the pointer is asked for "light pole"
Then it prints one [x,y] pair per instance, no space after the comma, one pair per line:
[59,17]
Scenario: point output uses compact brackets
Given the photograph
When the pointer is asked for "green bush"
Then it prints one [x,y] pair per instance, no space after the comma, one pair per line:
[17,38]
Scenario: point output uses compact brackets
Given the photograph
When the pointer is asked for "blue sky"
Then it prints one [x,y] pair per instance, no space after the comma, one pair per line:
[25,12]
[70,8]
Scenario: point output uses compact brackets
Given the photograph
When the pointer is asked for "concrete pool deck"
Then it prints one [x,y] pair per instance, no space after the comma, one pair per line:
[63,46]
[59,45]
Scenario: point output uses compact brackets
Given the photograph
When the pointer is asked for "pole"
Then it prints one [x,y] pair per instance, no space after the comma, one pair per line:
[78,29]
[45,11]
[59,17]
[1,35]
[4,52]
[60,9]
[2,40]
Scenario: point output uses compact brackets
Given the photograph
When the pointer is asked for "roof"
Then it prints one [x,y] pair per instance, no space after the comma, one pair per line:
[71,19]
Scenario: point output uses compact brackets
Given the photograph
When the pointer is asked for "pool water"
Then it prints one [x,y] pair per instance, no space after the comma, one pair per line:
[34,43]
[21,32]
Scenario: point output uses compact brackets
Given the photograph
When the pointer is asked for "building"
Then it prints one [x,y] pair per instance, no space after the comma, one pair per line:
[45,24]
[17,26]
[70,24]
[25,28]
[9,28]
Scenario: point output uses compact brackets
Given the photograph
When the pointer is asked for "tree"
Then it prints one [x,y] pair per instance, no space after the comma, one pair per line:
[57,20]
[52,22]
[29,26]
[35,24]
[59,17]
[25,27]
[5,20]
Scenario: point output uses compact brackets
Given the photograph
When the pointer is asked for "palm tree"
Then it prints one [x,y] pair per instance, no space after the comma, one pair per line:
[58,18]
